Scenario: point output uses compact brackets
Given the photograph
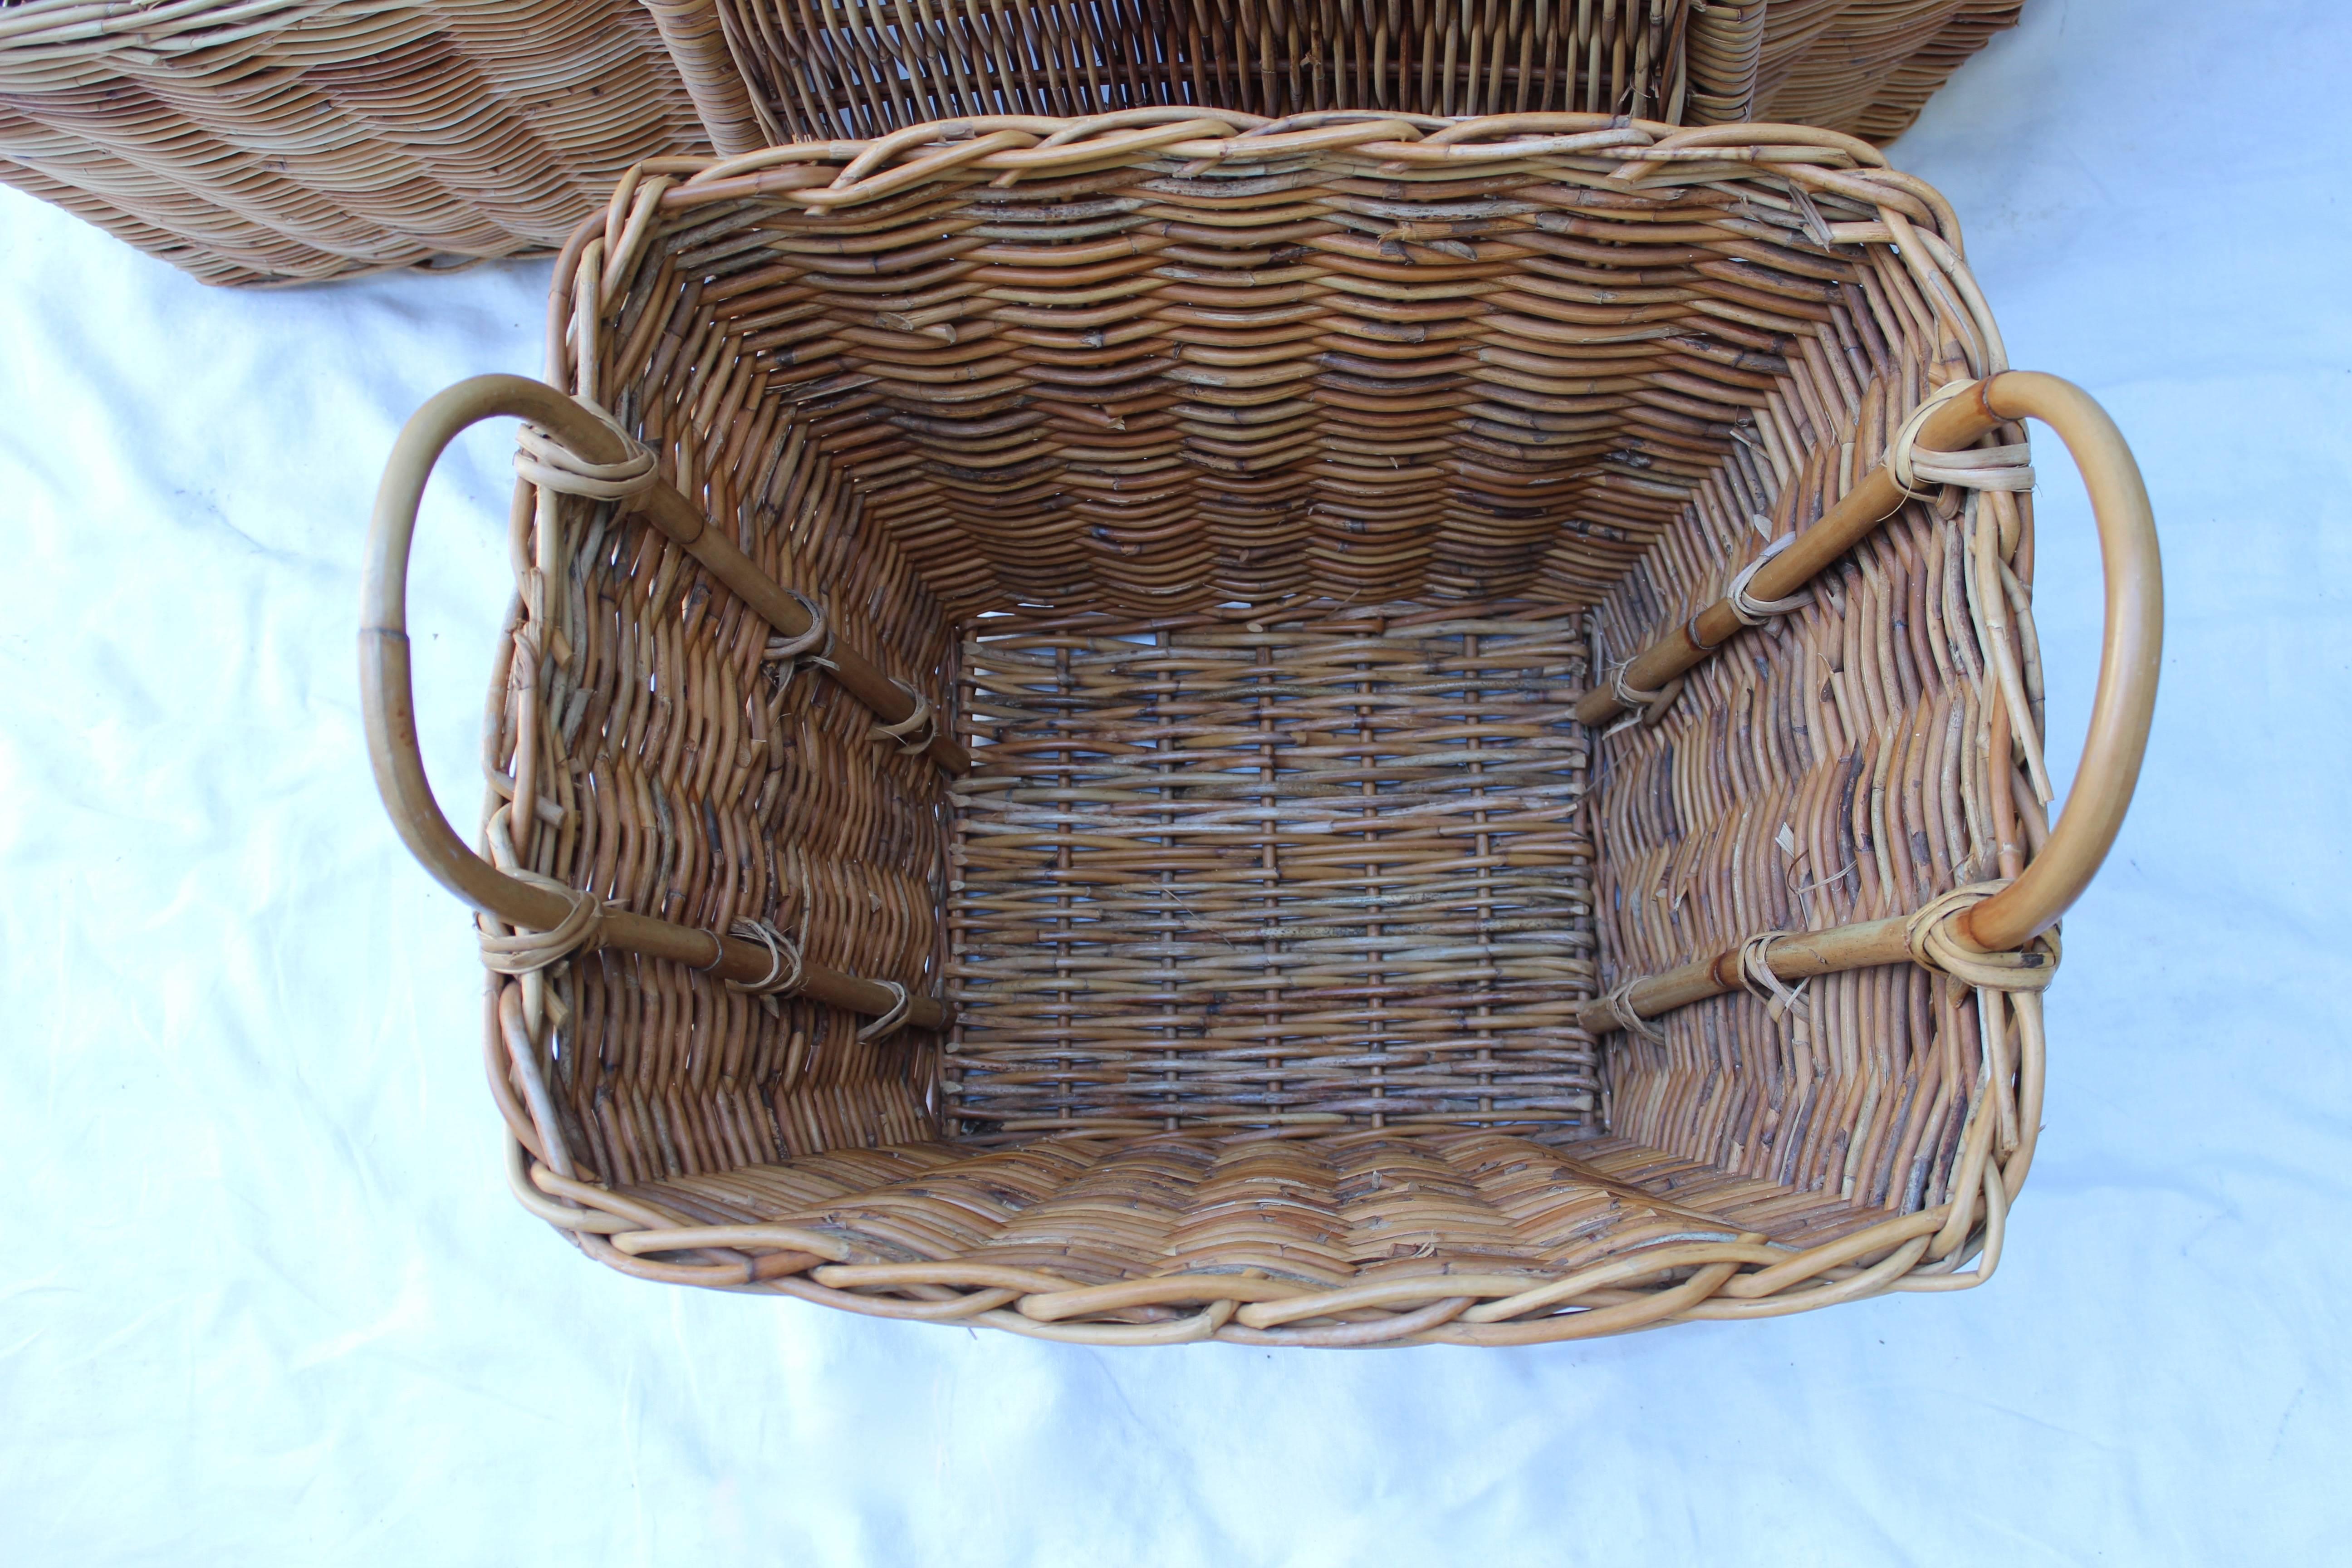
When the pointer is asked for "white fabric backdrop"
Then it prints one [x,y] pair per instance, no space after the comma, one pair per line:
[267,1300]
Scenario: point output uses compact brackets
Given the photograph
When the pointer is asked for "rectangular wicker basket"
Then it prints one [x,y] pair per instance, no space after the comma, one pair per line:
[863,68]
[278,140]
[1164,728]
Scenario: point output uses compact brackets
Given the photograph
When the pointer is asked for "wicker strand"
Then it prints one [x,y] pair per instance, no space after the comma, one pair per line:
[1984,468]
[1756,972]
[786,967]
[1619,1000]
[890,1022]
[1754,612]
[1935,948]
[550,464]
[819,637]
[1632,697]
[527,952]
[916,730]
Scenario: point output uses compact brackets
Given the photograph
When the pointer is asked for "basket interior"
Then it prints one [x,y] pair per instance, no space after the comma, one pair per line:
[1260,529]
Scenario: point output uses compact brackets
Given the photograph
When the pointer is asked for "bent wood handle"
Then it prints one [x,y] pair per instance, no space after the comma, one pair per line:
[387,700]
[2130,652]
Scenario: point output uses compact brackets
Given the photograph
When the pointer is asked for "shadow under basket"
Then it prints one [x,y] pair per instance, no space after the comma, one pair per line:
[1169,728]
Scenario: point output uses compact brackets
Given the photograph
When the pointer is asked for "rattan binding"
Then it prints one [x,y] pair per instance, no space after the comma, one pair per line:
[862,68]
[1262,503]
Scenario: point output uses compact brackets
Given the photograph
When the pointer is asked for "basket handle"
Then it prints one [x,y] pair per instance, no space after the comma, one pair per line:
[2132,644]
[389,705]
[2131,650]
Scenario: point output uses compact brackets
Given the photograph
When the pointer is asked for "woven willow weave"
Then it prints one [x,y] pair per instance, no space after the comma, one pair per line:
[1410,604]
[862,67]
[275,141]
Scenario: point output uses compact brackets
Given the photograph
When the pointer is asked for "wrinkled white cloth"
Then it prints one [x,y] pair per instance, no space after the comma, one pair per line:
[266,1299]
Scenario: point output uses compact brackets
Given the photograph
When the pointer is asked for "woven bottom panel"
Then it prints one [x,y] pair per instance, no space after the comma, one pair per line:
[1219,871]
[1329,1210]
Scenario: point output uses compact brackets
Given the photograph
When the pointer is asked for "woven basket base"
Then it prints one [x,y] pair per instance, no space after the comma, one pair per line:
[1222,869]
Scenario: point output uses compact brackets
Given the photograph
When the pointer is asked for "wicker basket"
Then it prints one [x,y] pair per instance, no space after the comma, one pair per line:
[1867,69]
[1341,733]
[863,68]
[275,141]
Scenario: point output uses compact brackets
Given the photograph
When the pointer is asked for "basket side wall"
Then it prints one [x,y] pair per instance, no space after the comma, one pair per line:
[1831,765]
[699,779]
[1148,390]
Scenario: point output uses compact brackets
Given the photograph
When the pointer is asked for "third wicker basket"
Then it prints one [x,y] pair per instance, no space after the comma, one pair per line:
[862,67]
[1340,733]
[285,141]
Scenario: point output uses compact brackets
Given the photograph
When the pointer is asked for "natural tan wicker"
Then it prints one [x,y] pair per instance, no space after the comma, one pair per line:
[1867,69]
[862,68]
[272,141]
[1079,707]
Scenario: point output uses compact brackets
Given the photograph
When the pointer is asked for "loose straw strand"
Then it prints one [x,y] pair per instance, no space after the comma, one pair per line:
[526,952]
[916,730]
[891,1021]
[786,966]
